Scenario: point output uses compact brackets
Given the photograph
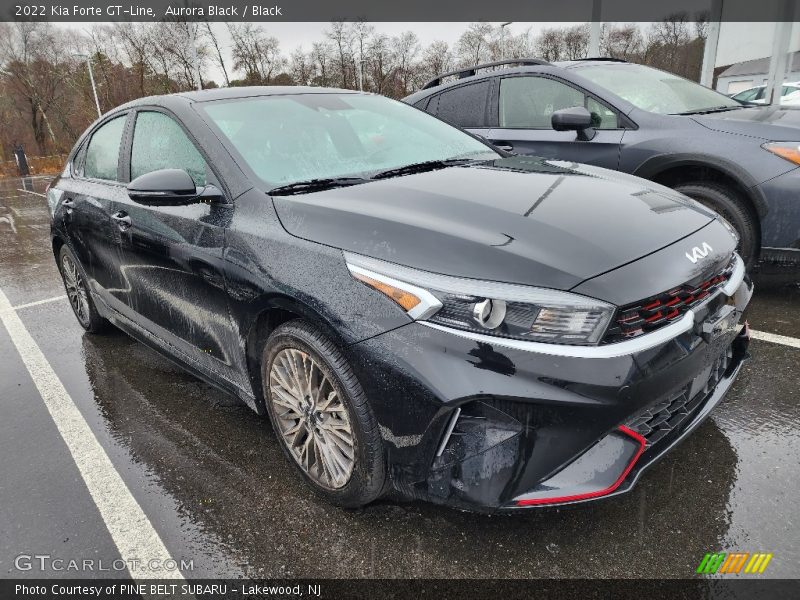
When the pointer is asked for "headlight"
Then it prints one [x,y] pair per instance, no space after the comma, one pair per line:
[787,150]
[490,308]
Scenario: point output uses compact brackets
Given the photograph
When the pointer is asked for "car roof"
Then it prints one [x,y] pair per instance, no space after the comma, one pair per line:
[230,93]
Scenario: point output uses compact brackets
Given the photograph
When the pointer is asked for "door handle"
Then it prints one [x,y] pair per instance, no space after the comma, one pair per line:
[123,220]
[503,145]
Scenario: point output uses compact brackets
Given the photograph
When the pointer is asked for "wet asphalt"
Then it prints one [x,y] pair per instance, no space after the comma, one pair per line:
[211,477]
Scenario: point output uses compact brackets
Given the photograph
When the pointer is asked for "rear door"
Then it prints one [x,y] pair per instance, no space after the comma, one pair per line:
[171,256]
[464,106]
[89,194]
[524,108]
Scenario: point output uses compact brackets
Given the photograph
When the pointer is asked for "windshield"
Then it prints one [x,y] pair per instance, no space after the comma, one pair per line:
[296,138]
[656,91]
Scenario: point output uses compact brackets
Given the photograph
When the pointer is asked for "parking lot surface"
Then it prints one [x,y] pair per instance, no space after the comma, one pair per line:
[213,484]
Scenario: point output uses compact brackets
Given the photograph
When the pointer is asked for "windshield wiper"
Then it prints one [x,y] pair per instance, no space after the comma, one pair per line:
[712,109]
[315,185]
[431,165]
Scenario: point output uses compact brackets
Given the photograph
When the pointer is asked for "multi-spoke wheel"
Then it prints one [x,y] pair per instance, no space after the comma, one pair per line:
[78,293]
[76,289]
[321,415]
[311,418]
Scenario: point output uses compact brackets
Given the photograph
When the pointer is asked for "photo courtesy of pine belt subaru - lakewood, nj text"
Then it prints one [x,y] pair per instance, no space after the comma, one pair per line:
[418,313]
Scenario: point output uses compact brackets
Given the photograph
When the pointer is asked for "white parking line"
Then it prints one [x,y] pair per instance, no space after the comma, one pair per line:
[785,340]
[133,534]
[38,302]
[30,192]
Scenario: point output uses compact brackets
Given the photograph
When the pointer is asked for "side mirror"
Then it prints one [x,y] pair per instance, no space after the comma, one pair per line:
[166,187]
[577,119]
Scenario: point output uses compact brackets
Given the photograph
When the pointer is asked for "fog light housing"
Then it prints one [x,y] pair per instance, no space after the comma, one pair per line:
[489,313]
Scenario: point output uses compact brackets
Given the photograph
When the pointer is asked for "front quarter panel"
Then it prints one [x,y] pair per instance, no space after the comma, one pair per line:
[268,269]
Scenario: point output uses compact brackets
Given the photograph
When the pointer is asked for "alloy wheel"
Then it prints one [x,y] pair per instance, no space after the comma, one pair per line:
[312,420]
[76,290]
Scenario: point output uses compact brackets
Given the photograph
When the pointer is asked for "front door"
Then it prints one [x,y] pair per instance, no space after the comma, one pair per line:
[171,256]
[525,108]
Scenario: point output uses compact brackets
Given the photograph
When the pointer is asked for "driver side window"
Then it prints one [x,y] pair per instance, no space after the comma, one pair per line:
[529,102]
[160,143]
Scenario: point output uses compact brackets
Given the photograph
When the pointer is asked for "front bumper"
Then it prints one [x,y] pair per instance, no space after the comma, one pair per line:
[493,426]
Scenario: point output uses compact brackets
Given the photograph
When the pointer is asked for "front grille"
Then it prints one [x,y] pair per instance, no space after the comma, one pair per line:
[657,311]
[665,416]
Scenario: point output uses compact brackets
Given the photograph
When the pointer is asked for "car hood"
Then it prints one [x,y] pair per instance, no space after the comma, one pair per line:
[773,123]
[518,219]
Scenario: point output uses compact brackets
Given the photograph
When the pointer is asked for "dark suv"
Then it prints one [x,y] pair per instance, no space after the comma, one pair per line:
[413,309]
[740,161]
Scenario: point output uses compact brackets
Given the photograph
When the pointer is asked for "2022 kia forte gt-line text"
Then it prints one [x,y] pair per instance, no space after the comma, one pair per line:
[414,310]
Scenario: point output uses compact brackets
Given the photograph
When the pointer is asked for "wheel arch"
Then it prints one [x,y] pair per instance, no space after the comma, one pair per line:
[57,242]
[669,169]
[273,311]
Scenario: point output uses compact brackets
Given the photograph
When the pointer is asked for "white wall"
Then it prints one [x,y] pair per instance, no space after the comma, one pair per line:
[739,42]
[737,83]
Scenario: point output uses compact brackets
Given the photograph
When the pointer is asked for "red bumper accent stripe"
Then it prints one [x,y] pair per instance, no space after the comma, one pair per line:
[574,498]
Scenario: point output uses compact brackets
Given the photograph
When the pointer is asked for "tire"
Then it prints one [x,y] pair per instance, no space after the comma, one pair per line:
[78,293]
[728,204]
[304,422]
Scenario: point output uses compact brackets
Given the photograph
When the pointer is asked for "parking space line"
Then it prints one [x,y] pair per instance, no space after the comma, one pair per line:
[38,302]
[784,340]
[132,532]
[30,192]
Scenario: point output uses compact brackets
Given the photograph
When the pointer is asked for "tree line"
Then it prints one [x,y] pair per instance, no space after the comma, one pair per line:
[46,98]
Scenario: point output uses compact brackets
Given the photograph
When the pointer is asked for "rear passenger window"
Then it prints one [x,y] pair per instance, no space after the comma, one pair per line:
[464,106]
[160,143]
[102,154]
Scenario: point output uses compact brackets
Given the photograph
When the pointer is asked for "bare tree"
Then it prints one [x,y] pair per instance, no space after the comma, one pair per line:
[576,42]
[550,45]
[255,52]
[474,44]
[380,63]
[31,66]
[341,36]
[301,67]
[406,47]
[362,32]
[218,53]
[624,42]
[320,55]
[436,59]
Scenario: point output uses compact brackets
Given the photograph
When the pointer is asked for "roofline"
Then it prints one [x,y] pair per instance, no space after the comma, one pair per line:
[470,71]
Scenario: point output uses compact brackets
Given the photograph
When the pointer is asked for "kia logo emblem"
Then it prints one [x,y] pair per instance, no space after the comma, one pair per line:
[699,252]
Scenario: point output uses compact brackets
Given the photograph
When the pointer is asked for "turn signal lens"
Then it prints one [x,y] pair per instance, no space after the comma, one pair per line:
[405,299]
[787,150]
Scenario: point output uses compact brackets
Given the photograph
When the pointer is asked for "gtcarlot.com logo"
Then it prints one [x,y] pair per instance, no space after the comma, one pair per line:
[45,562]
[734,563]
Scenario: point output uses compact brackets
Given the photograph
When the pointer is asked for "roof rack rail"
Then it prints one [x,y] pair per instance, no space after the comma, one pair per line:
[602,59]
[470,71]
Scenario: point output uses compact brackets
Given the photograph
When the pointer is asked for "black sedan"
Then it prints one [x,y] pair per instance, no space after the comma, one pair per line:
[414,310]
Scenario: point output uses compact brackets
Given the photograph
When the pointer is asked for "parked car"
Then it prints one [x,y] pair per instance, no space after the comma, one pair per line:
[413,309]
[741,162]
[790,94]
